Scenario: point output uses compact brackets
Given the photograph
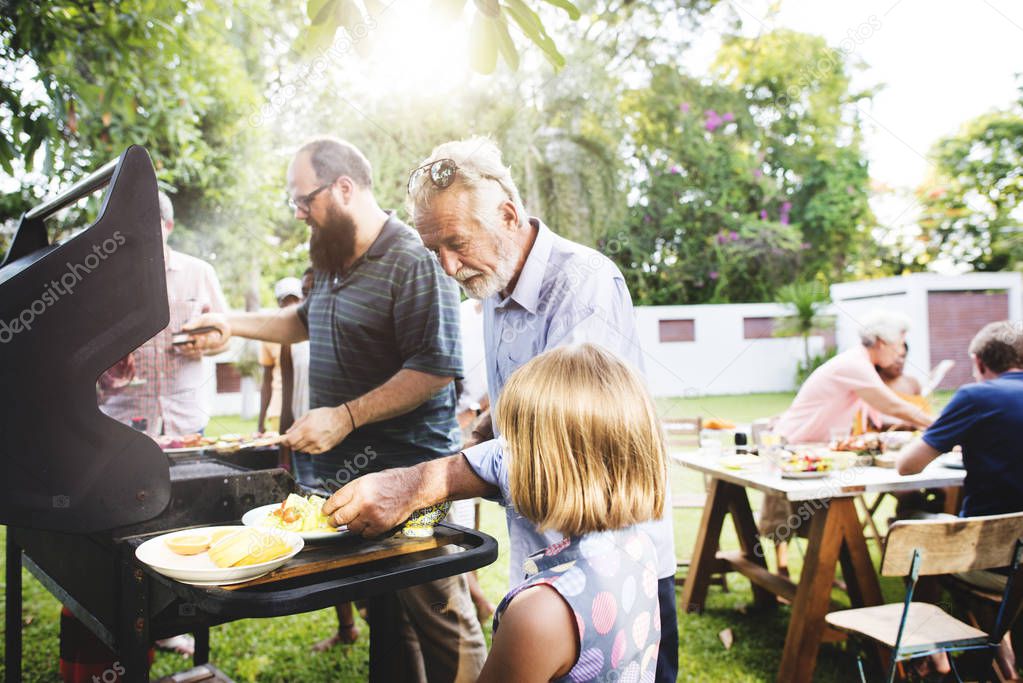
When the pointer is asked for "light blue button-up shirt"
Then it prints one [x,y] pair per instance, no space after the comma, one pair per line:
[565,294]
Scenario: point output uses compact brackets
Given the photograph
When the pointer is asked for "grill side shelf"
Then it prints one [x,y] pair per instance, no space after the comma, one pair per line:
[341,571]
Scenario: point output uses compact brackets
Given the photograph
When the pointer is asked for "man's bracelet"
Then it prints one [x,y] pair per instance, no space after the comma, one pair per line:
[350,416]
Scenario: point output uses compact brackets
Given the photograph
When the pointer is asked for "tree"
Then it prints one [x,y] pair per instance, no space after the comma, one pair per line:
[746,183]
[972,211]
[70,100]
[799,95]
[805,301]
[489,36]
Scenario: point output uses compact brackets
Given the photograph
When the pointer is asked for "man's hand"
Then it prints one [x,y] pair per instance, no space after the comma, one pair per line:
[319,430]
[482,430]
[211,340]
[375,503]
[914,457]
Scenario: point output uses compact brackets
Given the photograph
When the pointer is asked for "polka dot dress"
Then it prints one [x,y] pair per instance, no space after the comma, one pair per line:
[609,579]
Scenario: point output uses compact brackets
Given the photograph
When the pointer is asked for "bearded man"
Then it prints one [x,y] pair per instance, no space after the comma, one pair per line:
[382,322]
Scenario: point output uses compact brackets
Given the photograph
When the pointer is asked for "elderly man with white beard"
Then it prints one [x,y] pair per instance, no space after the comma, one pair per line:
[539,291]
[383,329]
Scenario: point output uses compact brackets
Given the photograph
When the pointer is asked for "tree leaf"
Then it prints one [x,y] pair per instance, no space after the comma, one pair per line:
[571,9]
[315,38]
[320,11]
[529,22]
[504,43]
[7,154]
[483,44]
[349,14]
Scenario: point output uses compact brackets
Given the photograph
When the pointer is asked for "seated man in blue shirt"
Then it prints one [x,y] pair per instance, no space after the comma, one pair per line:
[985,419]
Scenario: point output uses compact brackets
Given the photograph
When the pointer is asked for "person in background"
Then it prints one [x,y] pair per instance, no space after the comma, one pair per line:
[831,396]
[156,388]
[539,291]
[276,391]
[160,382]
[985,419]
[906,387]
[300,360]
[382,362]
[587,609]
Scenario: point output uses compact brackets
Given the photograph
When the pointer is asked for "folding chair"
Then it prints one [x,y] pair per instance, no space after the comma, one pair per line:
[929,547]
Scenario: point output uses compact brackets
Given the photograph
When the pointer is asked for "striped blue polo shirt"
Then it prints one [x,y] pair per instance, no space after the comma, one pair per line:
[393,309]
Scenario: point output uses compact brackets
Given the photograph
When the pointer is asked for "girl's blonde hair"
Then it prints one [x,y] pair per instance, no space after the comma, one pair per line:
[586,448]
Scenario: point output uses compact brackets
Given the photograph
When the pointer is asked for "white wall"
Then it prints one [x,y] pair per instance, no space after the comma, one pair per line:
[720,360]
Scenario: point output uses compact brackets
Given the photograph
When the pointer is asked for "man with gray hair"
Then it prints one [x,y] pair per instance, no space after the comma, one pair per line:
[831,395]
[539,291]
[383,330]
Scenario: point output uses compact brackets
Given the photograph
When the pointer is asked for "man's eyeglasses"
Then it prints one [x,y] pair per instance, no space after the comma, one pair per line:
[442,173]
[304,201]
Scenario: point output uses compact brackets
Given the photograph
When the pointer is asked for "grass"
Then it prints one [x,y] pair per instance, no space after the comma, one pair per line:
[278,649]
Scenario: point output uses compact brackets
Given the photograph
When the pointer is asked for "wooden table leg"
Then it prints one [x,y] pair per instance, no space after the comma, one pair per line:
[836,534]
[694,592]
[868,519]
[953,499]
[813,596]
[861,580]
[749,539]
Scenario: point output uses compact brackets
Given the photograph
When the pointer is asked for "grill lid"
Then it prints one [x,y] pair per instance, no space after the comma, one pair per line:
[68,312]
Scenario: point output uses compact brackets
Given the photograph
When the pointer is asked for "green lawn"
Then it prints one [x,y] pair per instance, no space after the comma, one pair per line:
[278,649]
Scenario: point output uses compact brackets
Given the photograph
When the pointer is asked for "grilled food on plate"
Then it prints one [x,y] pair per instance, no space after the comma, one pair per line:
[231,547]
[299,514]
[246,547]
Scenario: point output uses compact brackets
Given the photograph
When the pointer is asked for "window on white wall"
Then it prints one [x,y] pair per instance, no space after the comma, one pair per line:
[681,330]
[758,328]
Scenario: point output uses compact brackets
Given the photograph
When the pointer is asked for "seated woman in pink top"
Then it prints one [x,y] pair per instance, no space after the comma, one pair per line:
[831,395]
[829,399]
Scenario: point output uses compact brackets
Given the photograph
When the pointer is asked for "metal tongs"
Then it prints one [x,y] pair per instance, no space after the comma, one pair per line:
[185,336]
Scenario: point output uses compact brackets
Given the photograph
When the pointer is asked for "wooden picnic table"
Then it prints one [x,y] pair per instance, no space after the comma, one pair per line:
[835,534]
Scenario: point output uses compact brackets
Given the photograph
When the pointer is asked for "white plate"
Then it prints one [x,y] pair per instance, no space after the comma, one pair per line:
[255,517]
[199,569]
[805,475]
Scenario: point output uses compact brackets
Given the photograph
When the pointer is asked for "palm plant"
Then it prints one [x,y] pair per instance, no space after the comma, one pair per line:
[805,300]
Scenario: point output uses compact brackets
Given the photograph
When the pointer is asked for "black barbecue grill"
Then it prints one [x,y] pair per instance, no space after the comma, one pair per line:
[80,491]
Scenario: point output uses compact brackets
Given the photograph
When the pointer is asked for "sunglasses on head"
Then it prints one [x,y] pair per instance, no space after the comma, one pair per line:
[441,172]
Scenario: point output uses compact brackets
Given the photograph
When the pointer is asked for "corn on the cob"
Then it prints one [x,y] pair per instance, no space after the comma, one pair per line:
[247,547]
[230,550]
[270,549]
